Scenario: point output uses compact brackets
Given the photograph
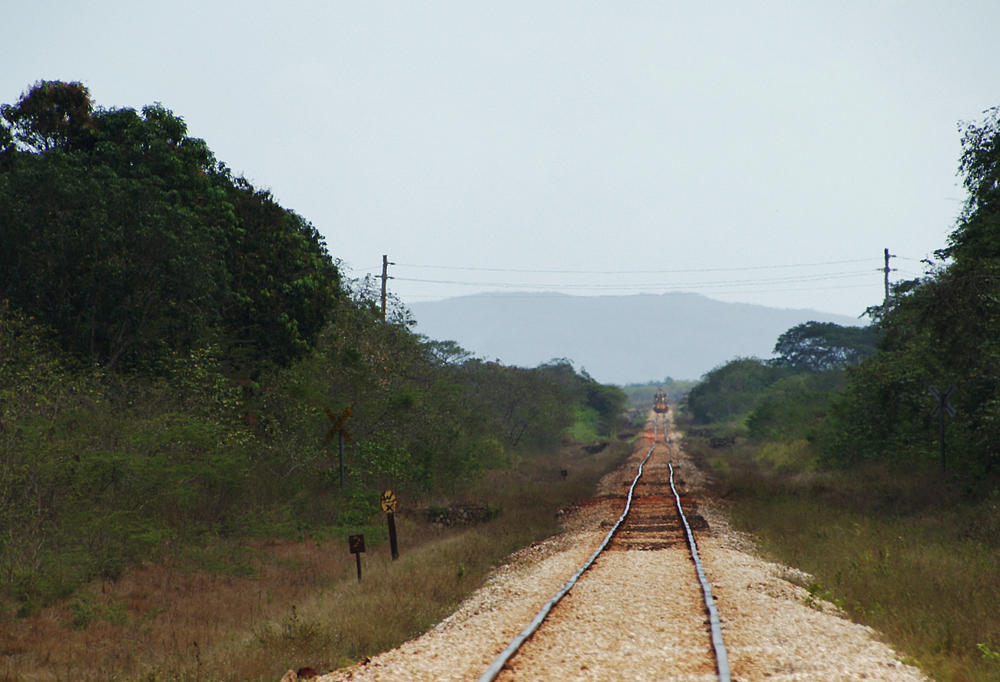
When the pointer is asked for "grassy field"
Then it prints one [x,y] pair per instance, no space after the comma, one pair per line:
[905,552]
[249,611]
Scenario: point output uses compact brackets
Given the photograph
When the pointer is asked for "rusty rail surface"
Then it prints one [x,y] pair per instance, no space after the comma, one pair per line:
[508,653]
[721,657]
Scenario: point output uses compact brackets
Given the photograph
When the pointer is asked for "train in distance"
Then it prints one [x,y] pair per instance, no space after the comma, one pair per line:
[660,403]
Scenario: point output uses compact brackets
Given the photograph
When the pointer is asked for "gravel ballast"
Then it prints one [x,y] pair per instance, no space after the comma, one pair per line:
[638,613]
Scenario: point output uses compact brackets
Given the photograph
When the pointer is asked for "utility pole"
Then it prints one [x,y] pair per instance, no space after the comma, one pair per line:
[386,277]
[885,308]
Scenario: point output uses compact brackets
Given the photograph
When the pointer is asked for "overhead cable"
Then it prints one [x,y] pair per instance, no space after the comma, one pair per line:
[634,272]
[647,285]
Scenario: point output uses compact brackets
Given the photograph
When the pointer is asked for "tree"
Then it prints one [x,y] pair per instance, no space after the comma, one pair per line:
[977,237]
[732,389]
[115,266]
[129,239]
[51,115]
[283,285]
[817,346]
[942,329]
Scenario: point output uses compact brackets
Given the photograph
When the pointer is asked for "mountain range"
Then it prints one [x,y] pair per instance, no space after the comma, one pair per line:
[616,339]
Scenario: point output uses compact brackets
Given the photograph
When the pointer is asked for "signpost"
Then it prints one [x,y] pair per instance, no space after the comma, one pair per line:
[940,407]
[340,430]
[389,507]
[356,543]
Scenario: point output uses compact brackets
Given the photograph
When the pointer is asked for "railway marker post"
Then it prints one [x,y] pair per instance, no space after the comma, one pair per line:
[340,430]
[389,507]
[940,407]
[356,543]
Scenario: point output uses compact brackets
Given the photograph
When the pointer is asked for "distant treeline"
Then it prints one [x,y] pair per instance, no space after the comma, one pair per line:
[864,395]
[831,454]
[641,396]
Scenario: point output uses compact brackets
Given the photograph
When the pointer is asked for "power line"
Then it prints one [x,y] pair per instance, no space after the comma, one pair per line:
[746,285]
[667,290]
[647,285]
[633,272]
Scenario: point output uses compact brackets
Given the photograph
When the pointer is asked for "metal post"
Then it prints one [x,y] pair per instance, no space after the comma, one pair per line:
[343,465]
[393,546]
[941,426]
[356,544]
[385,276]
[886,305]
[939,409]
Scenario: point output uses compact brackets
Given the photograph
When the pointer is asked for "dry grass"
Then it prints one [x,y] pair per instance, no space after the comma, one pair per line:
[167,618]
[261,607]
[902,551]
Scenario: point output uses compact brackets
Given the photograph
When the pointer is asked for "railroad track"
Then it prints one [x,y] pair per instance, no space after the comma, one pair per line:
[638,612]
[671,631]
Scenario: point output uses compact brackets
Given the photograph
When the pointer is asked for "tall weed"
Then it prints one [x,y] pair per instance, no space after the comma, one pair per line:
[247,610]
[901,551]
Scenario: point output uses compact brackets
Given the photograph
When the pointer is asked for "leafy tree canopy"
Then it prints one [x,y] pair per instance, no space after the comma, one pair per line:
[51,115]
[131,241]
[732,389]
[818,346]
[977,236]
[942,329]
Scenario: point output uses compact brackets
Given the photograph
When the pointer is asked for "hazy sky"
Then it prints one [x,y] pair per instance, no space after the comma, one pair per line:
[763,152]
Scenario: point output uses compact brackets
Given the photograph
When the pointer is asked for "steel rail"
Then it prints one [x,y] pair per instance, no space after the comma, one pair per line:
[508,653]
[721,657]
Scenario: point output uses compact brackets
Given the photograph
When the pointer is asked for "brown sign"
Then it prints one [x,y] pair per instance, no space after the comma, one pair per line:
[338,423]
[356,543]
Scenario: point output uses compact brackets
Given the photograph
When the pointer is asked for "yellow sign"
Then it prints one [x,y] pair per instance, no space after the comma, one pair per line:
[389,502]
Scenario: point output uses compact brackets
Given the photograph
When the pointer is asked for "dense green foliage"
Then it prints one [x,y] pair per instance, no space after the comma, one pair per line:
[794,407]
[799,381]
[941,330]
[732,389]
[101,470]
[131,241]
[831,454]
[170,340]
[817,346]
[772,400]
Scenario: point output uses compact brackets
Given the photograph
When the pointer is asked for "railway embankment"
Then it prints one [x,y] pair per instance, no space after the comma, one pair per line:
[638,612]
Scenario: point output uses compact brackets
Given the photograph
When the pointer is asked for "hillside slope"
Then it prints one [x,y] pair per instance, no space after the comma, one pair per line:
[618,339]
